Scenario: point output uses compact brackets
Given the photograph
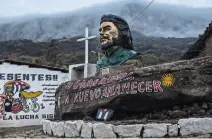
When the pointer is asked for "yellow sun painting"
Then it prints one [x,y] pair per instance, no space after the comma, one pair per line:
[168,79]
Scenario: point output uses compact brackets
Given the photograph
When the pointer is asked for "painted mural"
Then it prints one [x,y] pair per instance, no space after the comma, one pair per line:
[27,95]
[16,97]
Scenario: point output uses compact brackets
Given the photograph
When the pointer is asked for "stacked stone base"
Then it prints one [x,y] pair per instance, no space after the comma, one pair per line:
[191,127]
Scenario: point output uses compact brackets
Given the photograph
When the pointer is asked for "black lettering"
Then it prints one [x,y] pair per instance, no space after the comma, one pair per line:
[27,117]
[55,77]
[18,76]
[26,77]
[2,76]
[40,77]
[31,117]
[36,117]
[10,76]
[33,76]
[48,77]
[21,116]
[10,117]
[44,116]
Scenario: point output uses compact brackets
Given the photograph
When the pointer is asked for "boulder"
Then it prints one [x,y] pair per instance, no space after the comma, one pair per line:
[126,131]
[102,130]
[195,126]
[137,89]
[173,130]
[155,130]
[58,129]
[72,128]
[47,127]
[87,129]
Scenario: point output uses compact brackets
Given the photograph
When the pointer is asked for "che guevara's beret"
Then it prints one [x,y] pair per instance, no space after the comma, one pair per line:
[118,21]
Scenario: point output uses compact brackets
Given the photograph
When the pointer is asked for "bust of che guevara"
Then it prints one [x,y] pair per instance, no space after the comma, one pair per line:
[116,43]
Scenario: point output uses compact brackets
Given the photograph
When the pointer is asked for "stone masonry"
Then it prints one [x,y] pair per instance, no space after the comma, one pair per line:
[190,127]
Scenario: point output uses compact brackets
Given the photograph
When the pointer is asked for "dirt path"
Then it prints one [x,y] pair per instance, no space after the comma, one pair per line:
[24,132]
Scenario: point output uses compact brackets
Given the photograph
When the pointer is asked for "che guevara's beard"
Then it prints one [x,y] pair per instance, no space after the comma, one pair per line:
[115,42]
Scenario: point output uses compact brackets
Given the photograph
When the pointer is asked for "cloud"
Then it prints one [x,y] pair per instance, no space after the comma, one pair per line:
[23,7]
[190,3]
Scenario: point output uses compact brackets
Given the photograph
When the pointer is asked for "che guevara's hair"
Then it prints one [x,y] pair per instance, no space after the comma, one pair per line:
[123,28]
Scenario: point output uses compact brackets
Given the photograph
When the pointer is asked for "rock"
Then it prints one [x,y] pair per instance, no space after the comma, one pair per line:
[203,136]
[177,114]
[47,126]
[155,130]
[126,131]
[173,130]
[210,105]
[195,126]
[72,128]
[157,115]
[176,108]
[210,111]
[140,90]
[195,105]
[58,129]
[202,112]
[102,130]
[86,131]
[204,105]
[195,110]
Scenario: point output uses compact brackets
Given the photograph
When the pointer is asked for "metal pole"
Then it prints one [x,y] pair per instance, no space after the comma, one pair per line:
[86,53]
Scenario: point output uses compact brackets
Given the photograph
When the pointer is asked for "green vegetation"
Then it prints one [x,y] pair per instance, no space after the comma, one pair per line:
[62,53]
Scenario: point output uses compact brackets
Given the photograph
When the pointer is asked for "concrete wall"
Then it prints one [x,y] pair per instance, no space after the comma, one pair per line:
[27,95]
[76,72]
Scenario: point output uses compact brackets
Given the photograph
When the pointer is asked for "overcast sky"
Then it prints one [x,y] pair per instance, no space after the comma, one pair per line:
[24,7]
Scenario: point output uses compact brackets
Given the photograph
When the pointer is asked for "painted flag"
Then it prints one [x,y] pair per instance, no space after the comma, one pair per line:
[104,114]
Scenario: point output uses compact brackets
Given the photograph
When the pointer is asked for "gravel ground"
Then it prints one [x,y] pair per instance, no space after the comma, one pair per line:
[23,132]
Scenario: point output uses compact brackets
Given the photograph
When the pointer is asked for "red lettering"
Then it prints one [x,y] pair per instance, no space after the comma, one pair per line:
[82,84]
[97,93]
[90,83]
[81,96]
[76,84]
[111,90]
[102,81]
[105,93]
[86,95]
[157,86]
[118,89]
[70,85]
[125,87]
[76,97]
[95,82]
[148,86]
[91,95]
[140,89]
[67,99]
[133,88]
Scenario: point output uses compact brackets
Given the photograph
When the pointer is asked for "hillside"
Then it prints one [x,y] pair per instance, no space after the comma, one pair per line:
[154,50]
[159,20]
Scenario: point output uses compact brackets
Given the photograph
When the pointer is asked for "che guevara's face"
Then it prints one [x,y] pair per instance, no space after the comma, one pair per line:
[107,31]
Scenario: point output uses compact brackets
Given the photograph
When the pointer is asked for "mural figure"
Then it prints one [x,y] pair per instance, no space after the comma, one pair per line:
[116,42]
[15,98]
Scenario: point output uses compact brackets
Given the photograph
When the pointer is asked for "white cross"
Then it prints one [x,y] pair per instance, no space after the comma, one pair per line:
[86,50]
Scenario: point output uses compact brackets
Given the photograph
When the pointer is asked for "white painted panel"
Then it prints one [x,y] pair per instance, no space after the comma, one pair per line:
[34,102]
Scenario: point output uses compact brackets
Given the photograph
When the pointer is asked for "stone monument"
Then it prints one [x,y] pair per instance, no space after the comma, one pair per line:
[122,88]
[165,100]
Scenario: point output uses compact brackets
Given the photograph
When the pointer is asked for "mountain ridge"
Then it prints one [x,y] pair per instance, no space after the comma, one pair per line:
[155,21]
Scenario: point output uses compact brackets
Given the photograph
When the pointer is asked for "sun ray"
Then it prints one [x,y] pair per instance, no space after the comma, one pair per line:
[168,79]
